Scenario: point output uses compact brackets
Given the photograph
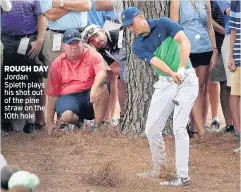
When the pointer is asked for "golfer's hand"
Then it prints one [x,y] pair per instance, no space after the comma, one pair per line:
[177,78]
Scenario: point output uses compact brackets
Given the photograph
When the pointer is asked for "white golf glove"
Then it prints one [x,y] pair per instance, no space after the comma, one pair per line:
[181,71]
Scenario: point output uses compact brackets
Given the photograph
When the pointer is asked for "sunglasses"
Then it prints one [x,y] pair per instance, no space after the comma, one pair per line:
[70,36]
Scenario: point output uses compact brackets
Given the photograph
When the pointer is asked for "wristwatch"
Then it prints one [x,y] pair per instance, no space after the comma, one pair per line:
[62,3]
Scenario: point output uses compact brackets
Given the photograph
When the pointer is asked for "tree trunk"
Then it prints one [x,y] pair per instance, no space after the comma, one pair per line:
[140,78]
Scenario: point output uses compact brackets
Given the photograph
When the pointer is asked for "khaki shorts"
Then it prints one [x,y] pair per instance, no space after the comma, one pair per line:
[235,87]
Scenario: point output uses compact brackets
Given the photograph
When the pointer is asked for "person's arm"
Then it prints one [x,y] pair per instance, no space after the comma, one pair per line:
[233,27]
[161,65]
[218,28]
[51,109]
[103,5]
[74,5]
[185,48]
[211,36]
[231,64]
[53,90]
[174,10]
[100,79]
[55,13]
[6,5]
[37,45]
[210,25]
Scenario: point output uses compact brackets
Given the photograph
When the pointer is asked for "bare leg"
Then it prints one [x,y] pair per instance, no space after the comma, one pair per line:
[70,117]
[112,78]
[224,97]
[235,109]
[122,95]
[101,106]
[197,112]
[214,97]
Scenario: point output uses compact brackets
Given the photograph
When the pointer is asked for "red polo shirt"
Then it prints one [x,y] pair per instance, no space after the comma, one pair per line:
[65,77]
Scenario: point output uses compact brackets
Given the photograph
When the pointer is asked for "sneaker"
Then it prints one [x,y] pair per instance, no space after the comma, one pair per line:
[115,122]
[237,150]
[4,133]
[176,182]
[29,128]
[88,124]
[237,134]
[228,129]
[215,125]
[66,127]
[107,123]
[207,128]
[95,127]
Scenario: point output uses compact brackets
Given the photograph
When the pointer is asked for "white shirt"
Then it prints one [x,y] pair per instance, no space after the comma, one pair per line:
[6,5]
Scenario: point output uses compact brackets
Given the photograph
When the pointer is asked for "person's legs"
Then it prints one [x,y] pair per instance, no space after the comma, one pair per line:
[225,49]
[187,94]
[235,101]
[224,97]
[198,107]
[101,106]
[70,117]
[214,97]
[121,95]
[217,75]
[112,78]
[68,108]
[159,111]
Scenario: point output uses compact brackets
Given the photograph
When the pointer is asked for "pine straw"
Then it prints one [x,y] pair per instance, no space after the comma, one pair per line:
[106,161]
[107,176]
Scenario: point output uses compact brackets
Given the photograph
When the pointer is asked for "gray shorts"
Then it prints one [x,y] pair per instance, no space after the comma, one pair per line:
[218,72]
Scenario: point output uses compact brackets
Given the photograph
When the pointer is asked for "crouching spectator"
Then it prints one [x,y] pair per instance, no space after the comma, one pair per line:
[76,84]
[110,46]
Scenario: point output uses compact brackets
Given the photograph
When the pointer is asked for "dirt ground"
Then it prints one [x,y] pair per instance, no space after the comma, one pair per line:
[105,162]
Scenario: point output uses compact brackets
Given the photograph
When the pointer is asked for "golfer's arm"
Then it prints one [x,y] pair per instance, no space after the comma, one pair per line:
[161,65]
[185,48]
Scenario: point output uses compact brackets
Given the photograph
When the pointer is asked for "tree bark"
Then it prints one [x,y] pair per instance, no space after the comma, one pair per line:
[140,76]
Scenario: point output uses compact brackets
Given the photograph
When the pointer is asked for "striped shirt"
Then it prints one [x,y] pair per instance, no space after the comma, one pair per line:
[22,18]
[235,23]
[218,16]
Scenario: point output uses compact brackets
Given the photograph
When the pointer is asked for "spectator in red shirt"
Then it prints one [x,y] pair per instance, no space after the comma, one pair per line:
[76,84]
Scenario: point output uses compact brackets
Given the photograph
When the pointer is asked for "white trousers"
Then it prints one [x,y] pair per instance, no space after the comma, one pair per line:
[160,109]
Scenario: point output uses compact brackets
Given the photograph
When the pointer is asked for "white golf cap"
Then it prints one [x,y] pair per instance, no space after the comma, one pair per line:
[89,31]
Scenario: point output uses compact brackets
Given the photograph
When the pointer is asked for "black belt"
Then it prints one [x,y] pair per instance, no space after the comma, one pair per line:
[112,20]
[18,36]
[62,31]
